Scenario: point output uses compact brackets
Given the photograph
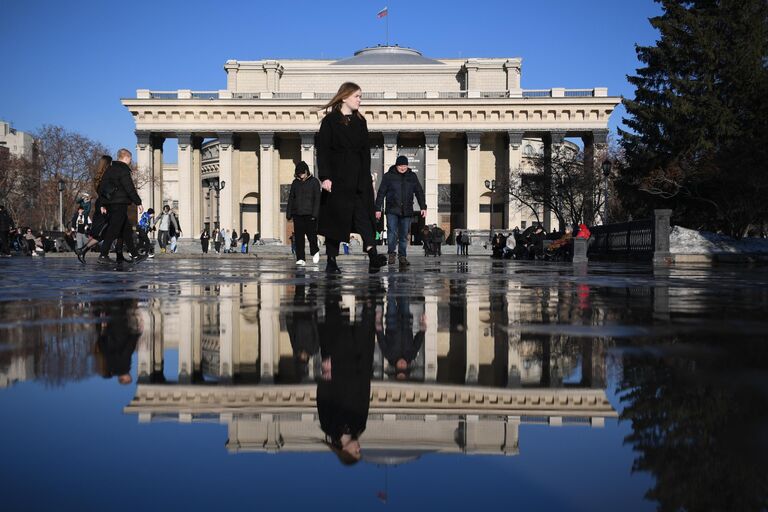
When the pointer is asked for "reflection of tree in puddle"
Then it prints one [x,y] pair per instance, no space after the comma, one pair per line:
[699,419]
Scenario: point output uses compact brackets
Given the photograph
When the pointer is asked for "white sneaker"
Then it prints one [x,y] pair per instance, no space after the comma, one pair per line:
[300,263]
[316,258]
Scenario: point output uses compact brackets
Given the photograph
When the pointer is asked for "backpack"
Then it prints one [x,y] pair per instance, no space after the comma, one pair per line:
[144,222]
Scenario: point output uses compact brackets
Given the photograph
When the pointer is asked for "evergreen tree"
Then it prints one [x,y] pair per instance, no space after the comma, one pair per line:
[697,140]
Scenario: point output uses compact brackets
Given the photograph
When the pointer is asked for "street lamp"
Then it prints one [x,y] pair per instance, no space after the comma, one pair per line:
[491,185]
[61,205]
[218,187]
[606,167]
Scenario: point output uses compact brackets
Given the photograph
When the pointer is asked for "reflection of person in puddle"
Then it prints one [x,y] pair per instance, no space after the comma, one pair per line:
[302,329]
[118,333]
[398,342]
[345,385]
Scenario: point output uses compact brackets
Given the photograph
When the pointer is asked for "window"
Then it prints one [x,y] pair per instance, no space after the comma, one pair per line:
[175,205]
[523,224]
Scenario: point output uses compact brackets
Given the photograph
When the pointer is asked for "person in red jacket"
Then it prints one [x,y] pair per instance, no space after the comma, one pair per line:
[584,232]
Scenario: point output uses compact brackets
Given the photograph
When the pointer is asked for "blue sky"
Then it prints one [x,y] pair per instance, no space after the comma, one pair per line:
[69,63]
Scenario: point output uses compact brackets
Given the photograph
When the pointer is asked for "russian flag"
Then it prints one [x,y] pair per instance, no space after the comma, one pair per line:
[382,12]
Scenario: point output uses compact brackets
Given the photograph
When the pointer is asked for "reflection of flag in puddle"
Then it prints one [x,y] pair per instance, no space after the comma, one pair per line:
[382,496]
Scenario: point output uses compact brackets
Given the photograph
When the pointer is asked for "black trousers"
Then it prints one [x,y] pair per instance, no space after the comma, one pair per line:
[5,248]
[361,224]
[119,227]
[204,244]
[303,225]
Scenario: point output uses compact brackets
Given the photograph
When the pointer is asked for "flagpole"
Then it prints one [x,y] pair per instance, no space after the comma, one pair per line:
[387,27]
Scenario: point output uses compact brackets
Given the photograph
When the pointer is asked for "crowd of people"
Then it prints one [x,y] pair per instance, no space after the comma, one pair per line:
[534,243]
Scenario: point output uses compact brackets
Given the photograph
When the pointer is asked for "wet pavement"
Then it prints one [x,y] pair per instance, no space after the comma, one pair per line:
[201,383]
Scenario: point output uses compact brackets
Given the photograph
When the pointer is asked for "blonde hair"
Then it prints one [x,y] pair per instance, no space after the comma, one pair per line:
[346,90]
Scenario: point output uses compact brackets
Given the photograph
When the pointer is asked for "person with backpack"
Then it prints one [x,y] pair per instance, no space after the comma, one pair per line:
[146,225]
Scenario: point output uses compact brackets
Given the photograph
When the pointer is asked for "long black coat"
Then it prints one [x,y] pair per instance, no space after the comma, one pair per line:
[118,185]
[344,157]
[343,402]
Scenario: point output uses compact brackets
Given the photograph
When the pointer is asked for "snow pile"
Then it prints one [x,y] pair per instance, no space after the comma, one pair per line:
[690,241]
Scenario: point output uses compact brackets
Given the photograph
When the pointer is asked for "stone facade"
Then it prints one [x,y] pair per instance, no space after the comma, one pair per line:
[470,118]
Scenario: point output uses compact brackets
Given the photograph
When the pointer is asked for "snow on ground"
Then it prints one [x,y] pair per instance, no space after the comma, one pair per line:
[690,241]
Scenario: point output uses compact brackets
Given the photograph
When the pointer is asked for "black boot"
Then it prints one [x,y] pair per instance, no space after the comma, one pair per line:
[375,260]
[332,267]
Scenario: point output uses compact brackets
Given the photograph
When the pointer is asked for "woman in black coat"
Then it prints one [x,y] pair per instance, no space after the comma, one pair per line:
[344,169]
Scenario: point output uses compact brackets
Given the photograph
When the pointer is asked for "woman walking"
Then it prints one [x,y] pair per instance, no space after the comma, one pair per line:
[344,169]
[205,238]
[99,223]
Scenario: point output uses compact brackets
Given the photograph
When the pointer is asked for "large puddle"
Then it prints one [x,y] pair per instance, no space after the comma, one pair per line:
[198,384]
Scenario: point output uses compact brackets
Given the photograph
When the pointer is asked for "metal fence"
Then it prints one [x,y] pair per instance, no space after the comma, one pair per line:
[642,239]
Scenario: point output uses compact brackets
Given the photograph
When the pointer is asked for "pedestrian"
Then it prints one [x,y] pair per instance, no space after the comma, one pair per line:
[245,237]
[398,189]
[344,166]
[6,226]
[466,240]
[117,192]
[100,219]
[218,238]
[304,208]
[146,225]
[174,232]
[459,242]
[205,239]
[292,239]
[168,223]
[80,225]
[437,237]
[227,241]
[233,239]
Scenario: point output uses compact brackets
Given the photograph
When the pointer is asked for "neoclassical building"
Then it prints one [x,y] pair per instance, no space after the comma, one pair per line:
[460,122]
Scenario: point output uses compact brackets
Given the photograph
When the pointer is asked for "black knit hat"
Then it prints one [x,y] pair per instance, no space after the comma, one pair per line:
[301,168]
[401,160]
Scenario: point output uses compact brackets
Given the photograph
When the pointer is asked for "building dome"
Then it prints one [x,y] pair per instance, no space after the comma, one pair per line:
[386,56]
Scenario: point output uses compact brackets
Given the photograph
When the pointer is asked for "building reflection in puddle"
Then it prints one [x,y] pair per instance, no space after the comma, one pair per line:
[305,367]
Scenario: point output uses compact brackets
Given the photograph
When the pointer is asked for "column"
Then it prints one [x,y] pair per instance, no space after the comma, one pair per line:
[430,339]
[553,142]
[472,328]
[229,330]
[308,150]
[146,346]
[472,185]
[268,203]
[431,177]
[145,175]
[187,322]
[157,169]
[228,204]
[185,184]
[594,148]
[197,188]
[515,161]
[269,332]
[390,149]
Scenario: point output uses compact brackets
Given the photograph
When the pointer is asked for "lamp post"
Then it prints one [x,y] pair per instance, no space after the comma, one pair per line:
[218,187]
[606,168]
[61,205]
[491,186]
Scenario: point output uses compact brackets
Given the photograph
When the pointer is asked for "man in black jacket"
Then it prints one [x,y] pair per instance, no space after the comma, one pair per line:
[116,193]
[6,226]
[304,208]
[398,187]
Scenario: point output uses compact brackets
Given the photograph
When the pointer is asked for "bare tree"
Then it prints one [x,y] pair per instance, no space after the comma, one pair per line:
[560,182]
